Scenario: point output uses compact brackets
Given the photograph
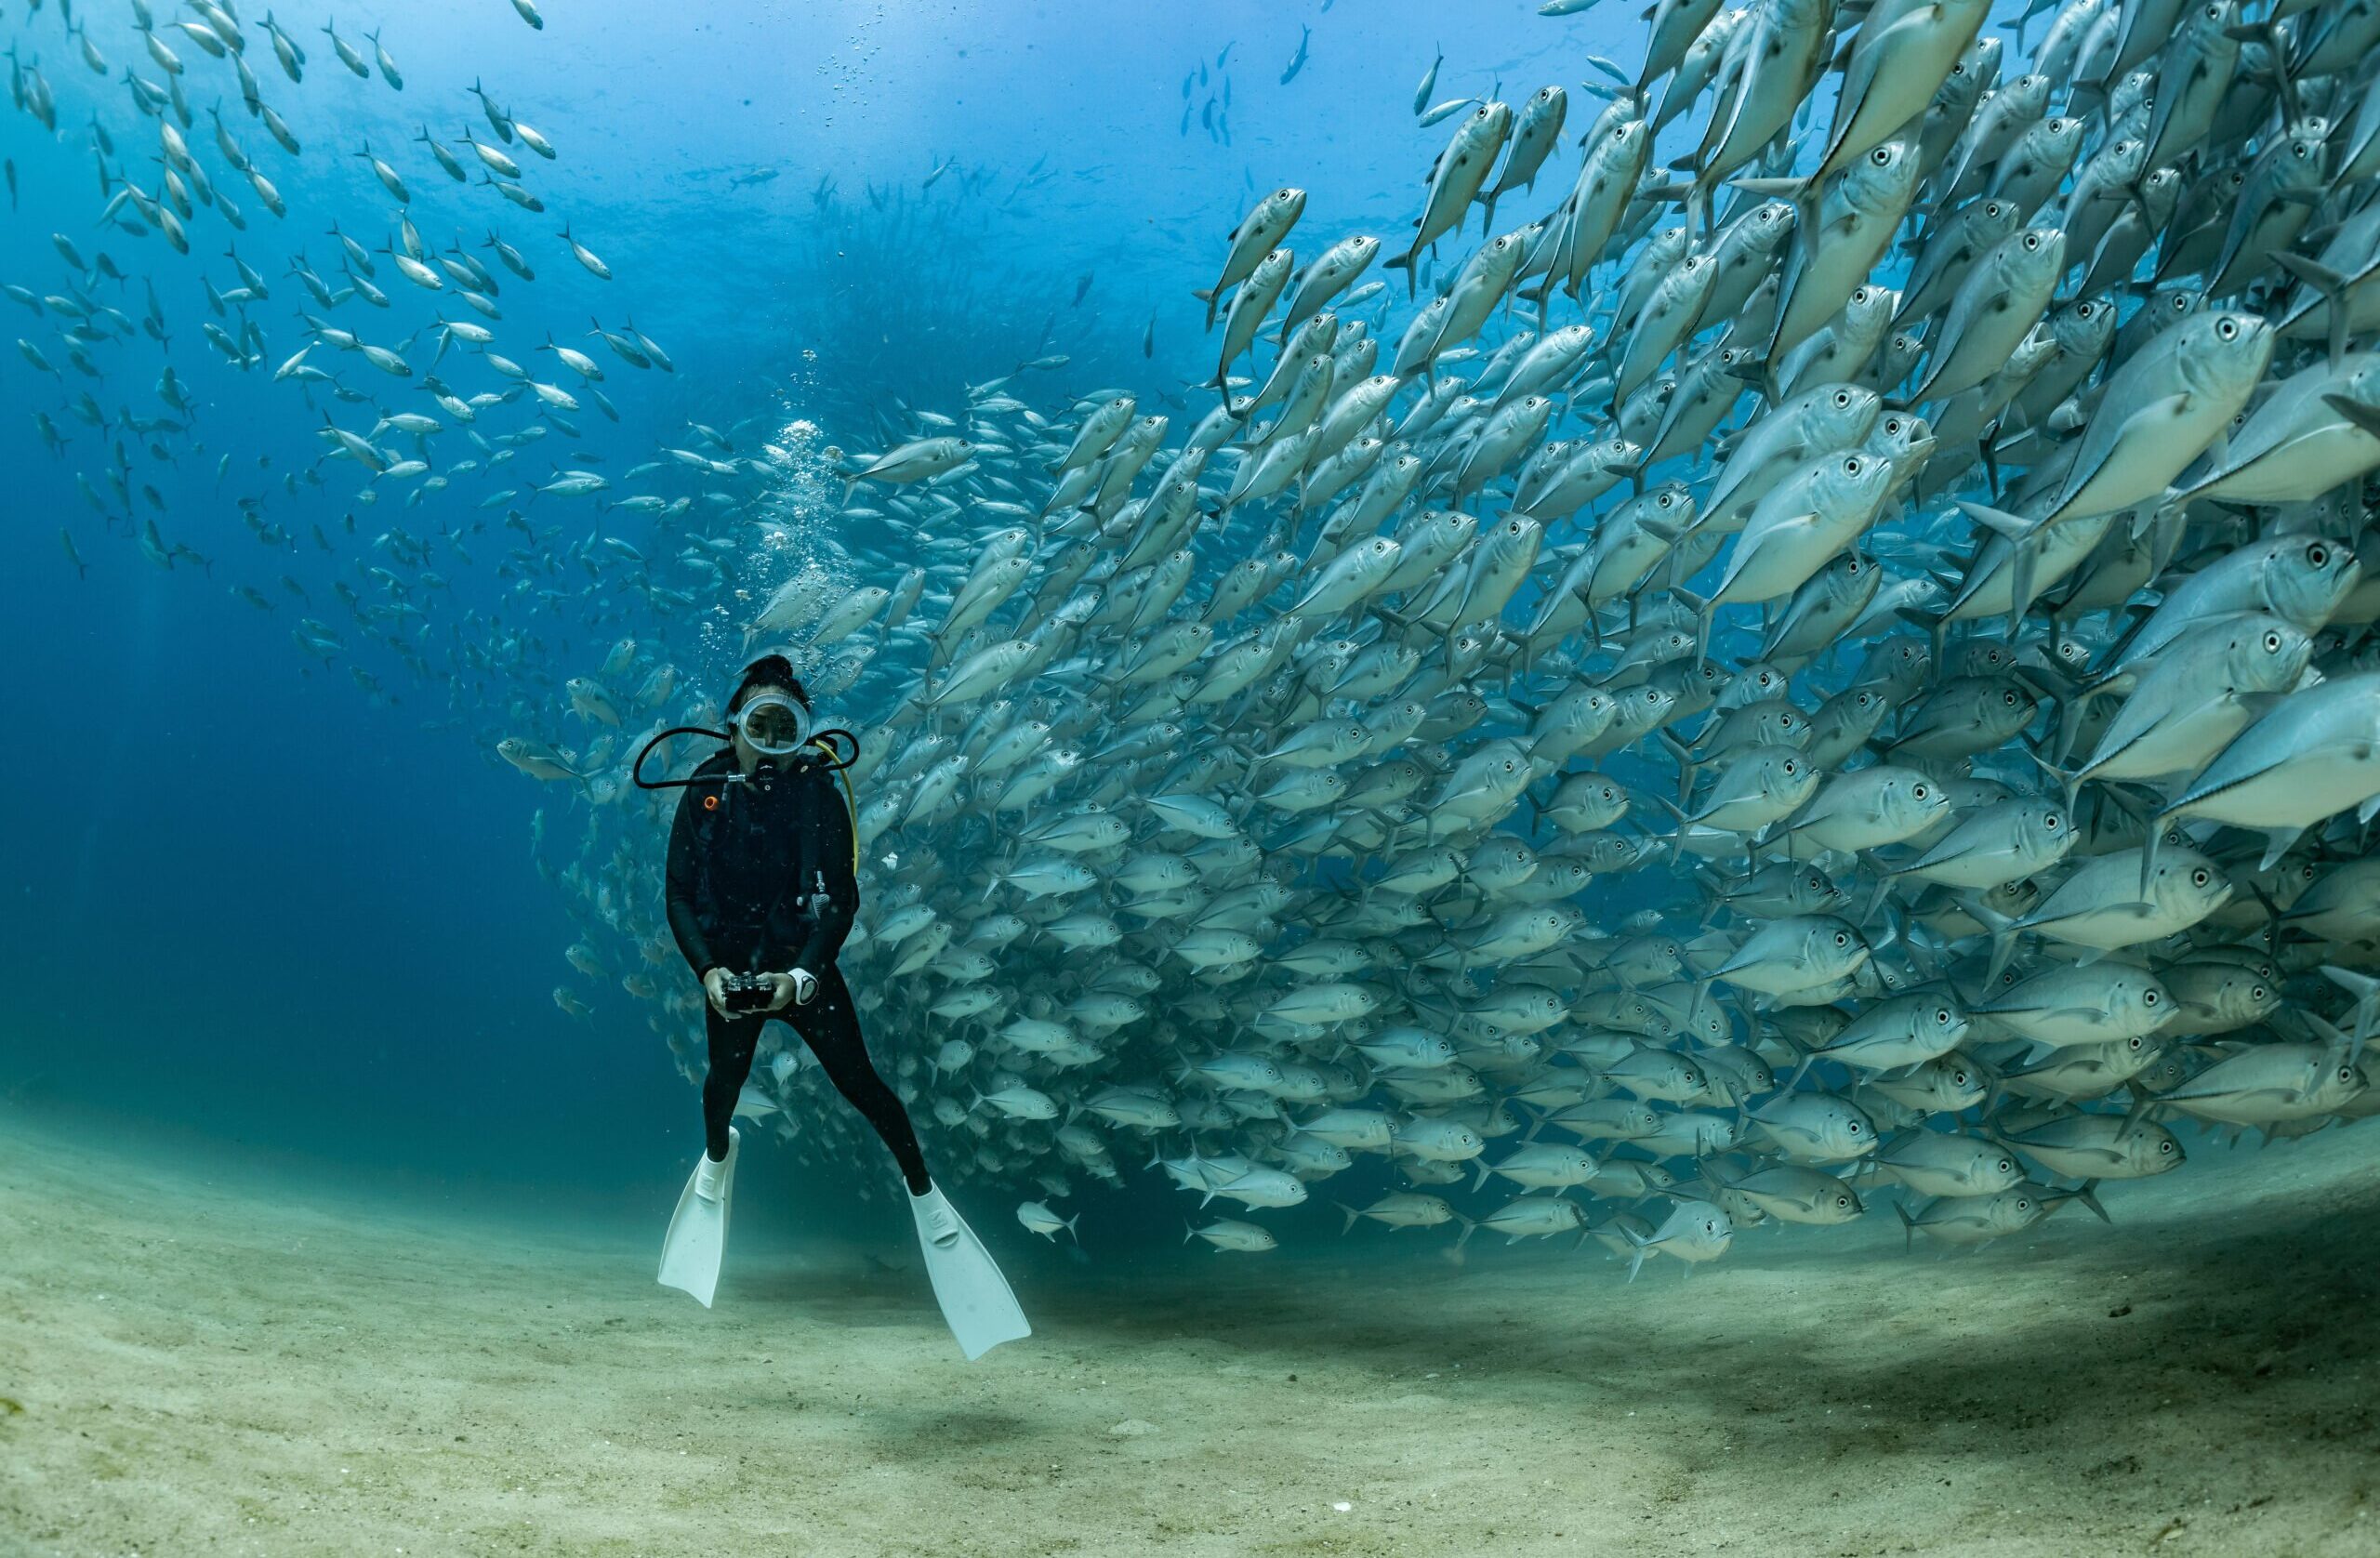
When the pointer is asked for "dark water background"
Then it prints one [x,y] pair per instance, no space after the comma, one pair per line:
[246,909]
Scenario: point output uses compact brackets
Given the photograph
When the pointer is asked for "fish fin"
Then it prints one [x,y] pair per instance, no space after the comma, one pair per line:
[2013,527]
[1677,841]
[1703,610]
[2148,843]
[2364,416]
[2070,781]
[2333,286]
[2004,938]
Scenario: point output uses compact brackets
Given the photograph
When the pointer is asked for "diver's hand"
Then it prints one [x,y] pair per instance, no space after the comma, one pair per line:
[803,985]
[715,990]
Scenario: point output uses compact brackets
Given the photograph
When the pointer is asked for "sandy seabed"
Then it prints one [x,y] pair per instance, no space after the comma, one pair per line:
[190,1367]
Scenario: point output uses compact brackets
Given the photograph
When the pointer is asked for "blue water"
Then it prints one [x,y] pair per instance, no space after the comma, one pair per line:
[247,903]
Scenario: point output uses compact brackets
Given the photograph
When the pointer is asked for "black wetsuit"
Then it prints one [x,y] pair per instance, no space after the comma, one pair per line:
[762,881]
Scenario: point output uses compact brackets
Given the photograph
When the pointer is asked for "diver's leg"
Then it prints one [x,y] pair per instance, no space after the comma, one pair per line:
[830,1027]
[733,1042]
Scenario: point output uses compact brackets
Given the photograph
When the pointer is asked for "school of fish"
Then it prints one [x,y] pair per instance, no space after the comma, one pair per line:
[1816,654]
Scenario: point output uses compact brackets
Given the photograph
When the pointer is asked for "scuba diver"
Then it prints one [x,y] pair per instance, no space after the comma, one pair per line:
[763,887]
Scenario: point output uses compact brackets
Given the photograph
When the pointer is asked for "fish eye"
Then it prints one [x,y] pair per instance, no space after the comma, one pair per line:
[1881,156]
[2226,329]
[1851,1128]
[2008,1166]
[1851,466]
[1942,1015]
[2255,992]
[2272,643]
[2050,821]
[1919,792]
[2032,241]
[1841,939]
[2148,997]
[2009,698]
[2318,554]
[1842,397]
[2198,878]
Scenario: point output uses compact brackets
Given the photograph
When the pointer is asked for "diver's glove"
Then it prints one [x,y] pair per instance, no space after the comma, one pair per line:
[805,984]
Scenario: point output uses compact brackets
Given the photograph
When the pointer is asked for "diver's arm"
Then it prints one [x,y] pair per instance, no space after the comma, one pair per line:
[685,878]
[828,819]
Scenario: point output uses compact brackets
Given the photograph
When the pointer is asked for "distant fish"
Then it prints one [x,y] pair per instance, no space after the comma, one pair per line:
[1297,61]
[1459,729]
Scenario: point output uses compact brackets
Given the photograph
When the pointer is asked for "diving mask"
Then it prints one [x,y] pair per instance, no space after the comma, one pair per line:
[771,724]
